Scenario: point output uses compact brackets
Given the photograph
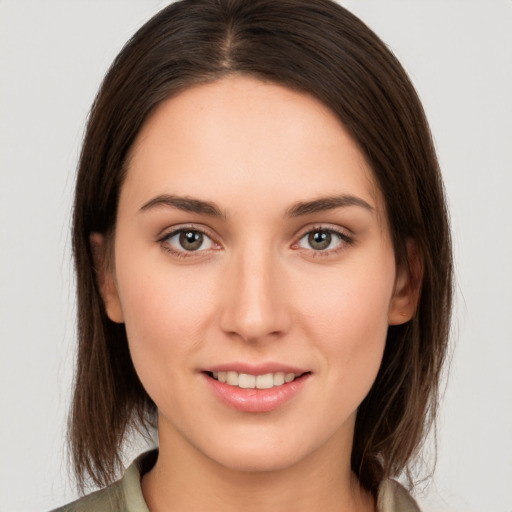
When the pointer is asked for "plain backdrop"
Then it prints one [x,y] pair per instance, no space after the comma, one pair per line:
[53,55]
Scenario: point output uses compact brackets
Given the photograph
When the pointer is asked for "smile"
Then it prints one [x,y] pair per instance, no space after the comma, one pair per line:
[248,381]
[256,392]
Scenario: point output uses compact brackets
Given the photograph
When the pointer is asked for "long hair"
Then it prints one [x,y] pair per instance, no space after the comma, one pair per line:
[319,48]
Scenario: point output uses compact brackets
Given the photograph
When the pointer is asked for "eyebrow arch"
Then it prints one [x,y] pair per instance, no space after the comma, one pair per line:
[187,204]
[327,203]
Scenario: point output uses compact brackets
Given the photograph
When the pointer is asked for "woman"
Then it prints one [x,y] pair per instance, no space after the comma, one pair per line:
[263,263]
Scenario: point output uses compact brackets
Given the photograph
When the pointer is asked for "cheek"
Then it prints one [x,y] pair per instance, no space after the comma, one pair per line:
[165,314]
[353,298]
[348,316]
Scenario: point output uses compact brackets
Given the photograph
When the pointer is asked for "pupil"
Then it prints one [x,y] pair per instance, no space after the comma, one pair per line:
[191,240]
[320,240]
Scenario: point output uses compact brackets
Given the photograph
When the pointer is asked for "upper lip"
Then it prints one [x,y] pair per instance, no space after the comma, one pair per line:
[255,369]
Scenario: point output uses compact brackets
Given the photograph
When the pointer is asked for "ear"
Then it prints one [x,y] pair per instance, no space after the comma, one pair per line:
[406,294]
[105,278]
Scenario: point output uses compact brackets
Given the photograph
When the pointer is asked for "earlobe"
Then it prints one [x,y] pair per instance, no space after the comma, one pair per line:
[406,294]
[105,278]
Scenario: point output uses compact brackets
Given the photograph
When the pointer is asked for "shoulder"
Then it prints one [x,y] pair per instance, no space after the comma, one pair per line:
[125,495]
[106,500]
[393,497]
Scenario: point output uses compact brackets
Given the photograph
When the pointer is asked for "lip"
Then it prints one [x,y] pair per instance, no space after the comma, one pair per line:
[255,369]
[256,400]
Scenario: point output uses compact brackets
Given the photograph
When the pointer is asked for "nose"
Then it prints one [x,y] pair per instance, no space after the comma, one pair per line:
[254,306]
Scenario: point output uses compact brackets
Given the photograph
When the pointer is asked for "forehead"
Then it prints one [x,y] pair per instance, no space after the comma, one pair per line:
[245,136]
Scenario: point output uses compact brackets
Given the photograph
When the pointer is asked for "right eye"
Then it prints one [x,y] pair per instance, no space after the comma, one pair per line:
[184,241]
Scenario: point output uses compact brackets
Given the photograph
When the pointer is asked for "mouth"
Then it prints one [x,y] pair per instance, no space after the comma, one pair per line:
[248,381]
[256,388]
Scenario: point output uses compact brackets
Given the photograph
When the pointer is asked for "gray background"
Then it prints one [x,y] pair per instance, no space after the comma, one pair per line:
[53,55]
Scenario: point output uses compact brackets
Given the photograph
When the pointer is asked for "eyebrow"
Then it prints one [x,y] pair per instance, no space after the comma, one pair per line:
[186,204]
[199,206]
[327,203]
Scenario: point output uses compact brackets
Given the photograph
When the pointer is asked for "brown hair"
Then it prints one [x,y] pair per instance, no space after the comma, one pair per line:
[322,49]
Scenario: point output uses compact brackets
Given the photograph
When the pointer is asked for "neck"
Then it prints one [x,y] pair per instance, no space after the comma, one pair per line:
[184,479]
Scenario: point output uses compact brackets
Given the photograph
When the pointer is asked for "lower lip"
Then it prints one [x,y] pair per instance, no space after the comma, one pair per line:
[256,400]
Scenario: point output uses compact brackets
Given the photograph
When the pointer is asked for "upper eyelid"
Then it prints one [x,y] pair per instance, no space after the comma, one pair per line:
[323,227]
[207,231]
[172,230]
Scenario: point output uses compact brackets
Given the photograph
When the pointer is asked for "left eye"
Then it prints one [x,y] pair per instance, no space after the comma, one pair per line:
[189,240]
[321,240]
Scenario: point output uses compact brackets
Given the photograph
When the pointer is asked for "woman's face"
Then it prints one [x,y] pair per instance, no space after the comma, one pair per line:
[252,246]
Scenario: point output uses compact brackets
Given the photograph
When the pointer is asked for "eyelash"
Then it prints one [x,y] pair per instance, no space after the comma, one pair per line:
[164,241]
[344,241]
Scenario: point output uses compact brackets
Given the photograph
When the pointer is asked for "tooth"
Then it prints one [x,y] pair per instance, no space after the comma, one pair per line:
[246,381]
[232,378]
[278,379]
[265,381]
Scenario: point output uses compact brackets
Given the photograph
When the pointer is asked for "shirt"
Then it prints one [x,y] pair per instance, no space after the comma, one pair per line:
[125,495]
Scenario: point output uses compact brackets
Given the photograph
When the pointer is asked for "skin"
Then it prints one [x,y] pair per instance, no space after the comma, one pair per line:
[259,292]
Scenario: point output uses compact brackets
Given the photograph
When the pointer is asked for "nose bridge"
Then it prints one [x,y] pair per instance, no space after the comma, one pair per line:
[253,308]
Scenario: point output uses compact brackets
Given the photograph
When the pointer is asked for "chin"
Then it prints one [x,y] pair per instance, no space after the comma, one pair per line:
[257,461]
[258,450]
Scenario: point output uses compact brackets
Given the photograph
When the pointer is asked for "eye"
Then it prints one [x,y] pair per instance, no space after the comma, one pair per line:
[187,240]
[323,240]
